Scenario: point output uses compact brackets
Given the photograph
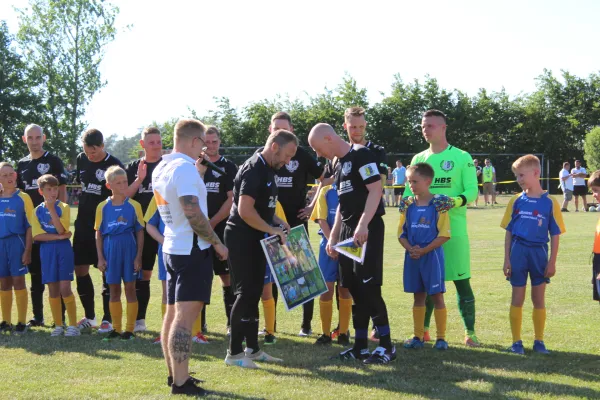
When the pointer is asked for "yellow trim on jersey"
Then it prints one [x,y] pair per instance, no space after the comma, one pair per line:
[509,210]
[443,225]
[279,212]
[36,227]
[28,204]
[321,210]
[558,217]
[98,221]
[65,218]
[151,210]
[401,222]
[138,212]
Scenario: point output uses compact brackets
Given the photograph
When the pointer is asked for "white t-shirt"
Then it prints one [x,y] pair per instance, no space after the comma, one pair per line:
[579,181]
[566,184]
[176,176]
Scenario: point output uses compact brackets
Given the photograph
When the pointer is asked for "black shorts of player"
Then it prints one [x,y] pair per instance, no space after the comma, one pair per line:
[189,277]
[149,252]
[580,190]
[595,272]
[247,262]
[220,267]
[371,271]
[84,244]
[398,191]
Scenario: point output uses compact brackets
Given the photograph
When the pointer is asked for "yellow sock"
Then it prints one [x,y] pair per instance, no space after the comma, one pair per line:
[116,312]
[419,321]
[132,311]
[326,308]
[56,309]
[196,327]
[539,323]
[163,308]
[6,300]
[345,314]
[269,310]
[22,301]
[71,307]
[441,316]
[516,321]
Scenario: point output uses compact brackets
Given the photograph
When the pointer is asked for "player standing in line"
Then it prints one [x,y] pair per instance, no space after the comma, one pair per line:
[455,177]
[29,169]
[529,219]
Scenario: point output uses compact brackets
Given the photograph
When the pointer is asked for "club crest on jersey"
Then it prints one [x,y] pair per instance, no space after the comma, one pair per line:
[347,167]
[43,168]
[100,175]
[215,173]
[447,165]
[292,165]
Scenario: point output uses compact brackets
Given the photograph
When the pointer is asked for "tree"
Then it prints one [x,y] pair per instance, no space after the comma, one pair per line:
[64,42]
[592,149]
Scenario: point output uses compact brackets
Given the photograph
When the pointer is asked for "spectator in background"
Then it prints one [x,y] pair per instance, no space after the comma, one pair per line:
[389,198]
[566,185]
[579,187]
[399,174]
[478,170]
[489,180]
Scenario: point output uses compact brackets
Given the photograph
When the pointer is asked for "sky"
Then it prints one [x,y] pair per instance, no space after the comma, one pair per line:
[181,54]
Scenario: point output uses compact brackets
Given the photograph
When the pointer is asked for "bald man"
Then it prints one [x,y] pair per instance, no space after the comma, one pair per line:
[359,216]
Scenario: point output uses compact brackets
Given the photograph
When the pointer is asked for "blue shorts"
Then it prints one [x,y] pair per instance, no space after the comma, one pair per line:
[162,270]
[425,275]
[328,265]
[526,260]
[11,254]
[119,252]
[268,275]
[58,261]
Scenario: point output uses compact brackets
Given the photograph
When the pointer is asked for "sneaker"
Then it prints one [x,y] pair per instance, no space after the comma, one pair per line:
[263,332]
[260,356]
[324,340]
[374,336]
[140,325]
[270,339]
[335,333]
[540,347]
[204,329]
[127,336]
[156,341]
[105,327]
[21,328]
[564,210]
[84,325]
[517,348]
[353,354]
[304,332]
[414,343]
[5,327]
[472,341]
[72,331]
[441,344]
[343,339]
[112,335]
[239,360]
[58,331]
[195,380]
[381,356]
[200,338]
[189,388]
[35,323]
[426,337]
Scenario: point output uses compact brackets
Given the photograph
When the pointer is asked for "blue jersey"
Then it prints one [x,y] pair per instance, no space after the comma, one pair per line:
[42,221]
[116,220]
[420,225]
[153,218]
[326,206]
[531,219]
[15,214]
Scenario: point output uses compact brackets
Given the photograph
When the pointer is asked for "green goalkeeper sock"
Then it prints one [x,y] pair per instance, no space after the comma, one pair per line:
[428,312]
[466,304]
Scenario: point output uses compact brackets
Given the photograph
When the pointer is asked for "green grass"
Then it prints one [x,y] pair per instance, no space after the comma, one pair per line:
[38,366]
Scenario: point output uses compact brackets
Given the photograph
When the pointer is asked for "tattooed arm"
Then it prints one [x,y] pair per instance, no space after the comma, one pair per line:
[200,224]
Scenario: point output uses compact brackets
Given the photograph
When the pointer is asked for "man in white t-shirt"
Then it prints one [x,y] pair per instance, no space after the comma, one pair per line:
[566,185]
[180,196]
[579,187]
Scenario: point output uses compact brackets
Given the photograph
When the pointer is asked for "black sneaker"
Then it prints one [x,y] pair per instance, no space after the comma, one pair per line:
[343,339]
[35,323]
[127,336]
[353,354]
[5,327]
[21,328]
[195,380]
[189,388]
[381,356]
[270,339]
[112,335]
[323,340]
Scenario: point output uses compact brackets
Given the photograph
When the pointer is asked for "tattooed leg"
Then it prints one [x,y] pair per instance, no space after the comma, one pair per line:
[180,339]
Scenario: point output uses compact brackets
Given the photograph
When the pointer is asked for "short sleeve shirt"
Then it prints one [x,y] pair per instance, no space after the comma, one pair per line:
[578,181]
[144,193]
[420,225]
[112,220]
[15,214]
[29,170]
[399,175]
[218,185]
[42,221]
[566,184]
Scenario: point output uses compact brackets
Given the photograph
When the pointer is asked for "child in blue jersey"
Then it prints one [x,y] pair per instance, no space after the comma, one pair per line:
[50,225]
[120,240]
[324,215]
[529,219]
[16,209]
[423,228]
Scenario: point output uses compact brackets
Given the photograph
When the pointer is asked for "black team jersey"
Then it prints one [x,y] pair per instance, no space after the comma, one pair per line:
[354,172]
[93,185]
[29,170]
[144,193]
[217,185]
[257,180]
[380,157]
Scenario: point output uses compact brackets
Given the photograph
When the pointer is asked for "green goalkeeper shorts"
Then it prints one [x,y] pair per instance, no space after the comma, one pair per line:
[457,255]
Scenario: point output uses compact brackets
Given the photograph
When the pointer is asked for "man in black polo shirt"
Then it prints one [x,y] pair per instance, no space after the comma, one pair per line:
[252,216]
[91,166]
[359,216]
[139,176]
[29,169]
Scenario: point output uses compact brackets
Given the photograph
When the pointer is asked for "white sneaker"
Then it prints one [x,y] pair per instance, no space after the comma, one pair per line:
[105,327]
[140,326]
[58,331]
[72,331]
[260,356]
[199,338]
[240,360]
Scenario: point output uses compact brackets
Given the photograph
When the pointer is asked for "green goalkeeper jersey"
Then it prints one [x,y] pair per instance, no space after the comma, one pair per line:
[455,175]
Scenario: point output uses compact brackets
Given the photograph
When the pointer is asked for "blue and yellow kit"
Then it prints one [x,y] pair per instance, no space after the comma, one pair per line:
[421,225]
[325,209]
[15,215]
[118,226]
[152,217]
[531,220]
[57,259]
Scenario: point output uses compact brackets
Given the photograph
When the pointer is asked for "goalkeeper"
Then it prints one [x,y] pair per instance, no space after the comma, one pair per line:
[455,177]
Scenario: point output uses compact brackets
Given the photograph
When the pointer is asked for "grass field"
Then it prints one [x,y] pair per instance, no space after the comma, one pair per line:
[38,366]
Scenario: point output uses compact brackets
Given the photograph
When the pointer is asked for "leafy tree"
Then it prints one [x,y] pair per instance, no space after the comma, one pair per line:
[592,149]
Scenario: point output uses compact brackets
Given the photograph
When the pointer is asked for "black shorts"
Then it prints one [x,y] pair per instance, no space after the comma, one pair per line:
[84,244]
[247,262]
[220,267]
[398,191]
[595,272]
[189,277]
[371,271]
[149,252]
[580,190]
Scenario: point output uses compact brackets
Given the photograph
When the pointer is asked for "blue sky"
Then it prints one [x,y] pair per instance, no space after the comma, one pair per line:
[184,53]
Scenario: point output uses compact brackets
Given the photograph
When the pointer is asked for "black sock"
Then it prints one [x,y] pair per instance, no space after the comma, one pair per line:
[106,300]
[275,298]
[37,297]
[386,341]
[85,289]
[308,309]
[203,318]
[228,300]
[142,291]
[64,308]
